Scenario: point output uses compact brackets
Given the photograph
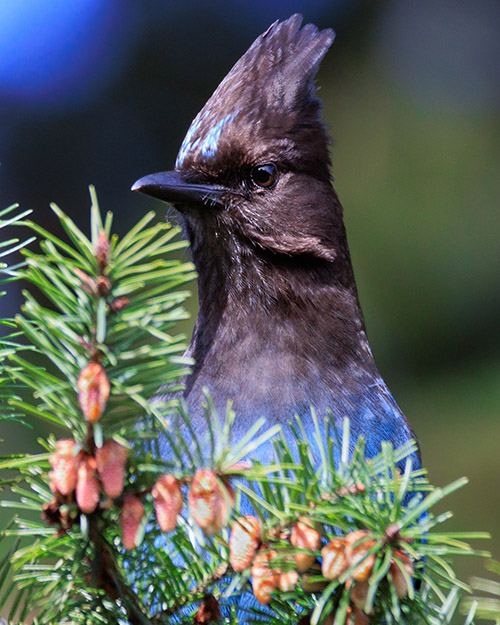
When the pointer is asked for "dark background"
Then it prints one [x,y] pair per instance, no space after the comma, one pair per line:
[103,91]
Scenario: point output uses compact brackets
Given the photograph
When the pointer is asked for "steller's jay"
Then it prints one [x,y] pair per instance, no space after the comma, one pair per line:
[280,327]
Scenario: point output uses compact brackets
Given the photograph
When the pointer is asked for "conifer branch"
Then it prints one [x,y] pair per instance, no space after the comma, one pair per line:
[341,540]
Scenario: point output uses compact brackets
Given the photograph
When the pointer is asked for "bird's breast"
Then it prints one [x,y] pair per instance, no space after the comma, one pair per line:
[278,387]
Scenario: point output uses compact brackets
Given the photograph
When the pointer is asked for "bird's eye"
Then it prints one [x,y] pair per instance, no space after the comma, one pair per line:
[265,176]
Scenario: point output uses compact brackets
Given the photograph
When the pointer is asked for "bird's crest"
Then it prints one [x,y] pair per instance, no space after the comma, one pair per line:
[271,88]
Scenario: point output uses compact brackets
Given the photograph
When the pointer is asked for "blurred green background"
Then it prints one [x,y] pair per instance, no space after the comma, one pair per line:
[103,91]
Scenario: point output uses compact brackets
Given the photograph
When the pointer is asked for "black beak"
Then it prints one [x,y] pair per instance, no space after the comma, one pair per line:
[173,187]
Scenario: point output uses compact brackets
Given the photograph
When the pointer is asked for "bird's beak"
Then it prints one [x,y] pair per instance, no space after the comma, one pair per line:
[173,187]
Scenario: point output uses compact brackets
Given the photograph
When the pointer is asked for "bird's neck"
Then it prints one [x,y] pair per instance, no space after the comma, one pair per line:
[256,306]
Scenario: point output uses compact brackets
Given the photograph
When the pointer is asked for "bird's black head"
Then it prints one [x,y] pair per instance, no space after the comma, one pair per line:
[253,169]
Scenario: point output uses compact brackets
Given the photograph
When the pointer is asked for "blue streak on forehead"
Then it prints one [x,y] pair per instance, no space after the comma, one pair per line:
[188,143]
[209,145]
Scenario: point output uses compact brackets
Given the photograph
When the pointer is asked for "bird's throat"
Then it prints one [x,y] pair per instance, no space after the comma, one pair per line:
[268,331]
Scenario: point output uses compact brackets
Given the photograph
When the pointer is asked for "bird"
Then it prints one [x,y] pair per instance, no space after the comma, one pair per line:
[280,327]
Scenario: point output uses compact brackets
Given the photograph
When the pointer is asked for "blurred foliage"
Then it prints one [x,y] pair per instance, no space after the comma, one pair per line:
[487,604]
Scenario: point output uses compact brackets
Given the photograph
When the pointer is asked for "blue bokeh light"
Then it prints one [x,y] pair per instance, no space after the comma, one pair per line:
[56,53]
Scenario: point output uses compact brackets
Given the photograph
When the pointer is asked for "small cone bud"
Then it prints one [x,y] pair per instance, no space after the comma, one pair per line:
[111,459]
[363,571]
[288,580]
[305,536]
[209,502]
[167,501]
[208,612]
[87,486]
[393,532]
[102,250]
[358,554]
[119,304]
[93,391]
[265,580]
[398,579]
[359,594]
[243,543]
[334,561]
[360,618]
[131,517]
[103,285]
[64,463]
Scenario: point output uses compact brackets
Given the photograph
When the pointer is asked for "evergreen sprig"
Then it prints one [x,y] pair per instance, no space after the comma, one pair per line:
[103,369]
